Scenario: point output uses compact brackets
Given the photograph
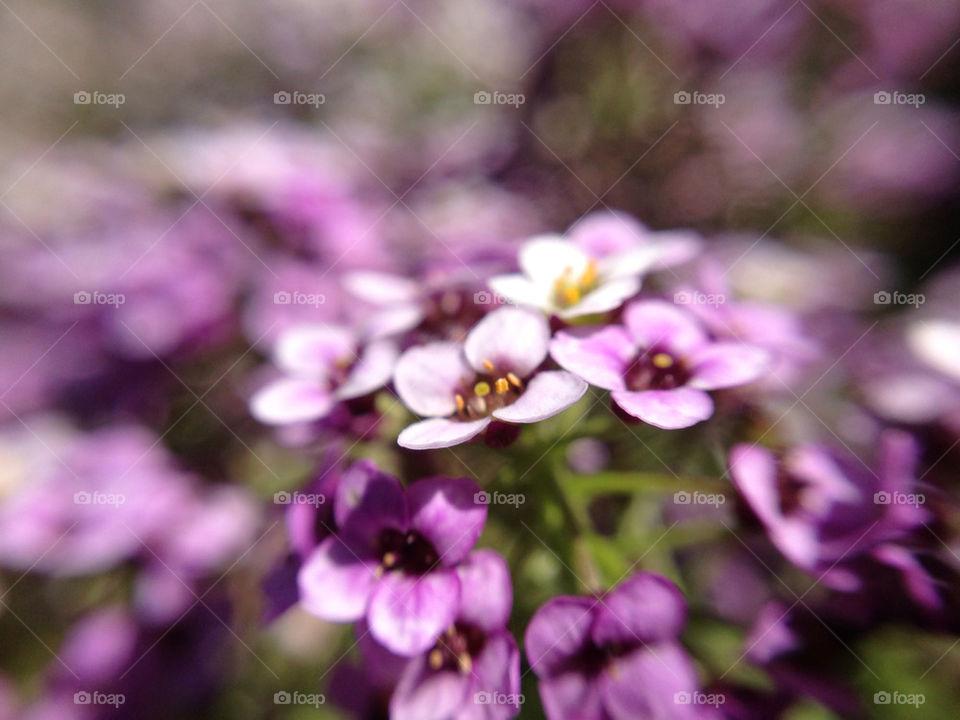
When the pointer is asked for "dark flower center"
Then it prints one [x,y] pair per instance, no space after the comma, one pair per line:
[410,552]
[656,370]
[490,391]
[789,487]
[456,648]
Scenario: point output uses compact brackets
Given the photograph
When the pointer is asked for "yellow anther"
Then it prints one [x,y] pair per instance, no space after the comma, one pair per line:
[464,662]
[481,389]
[662,361]
[460,403]
[389,559]
[502,386]
[435,658]
[514,380]
[589,277]
[571,295]
[488,365]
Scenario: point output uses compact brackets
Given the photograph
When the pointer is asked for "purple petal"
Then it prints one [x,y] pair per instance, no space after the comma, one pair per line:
[656,324]
[445,511]
[371,372]
[667,409]
[514,340]
[423,694]
[439,433]
[600,358]
[495,670]
[723,365]
[606,232]
[427,378]
[646,683]
[557,631]
[645,608]
[334,583]
[572,695]
[291,400]
[407,613]
[310,351]
[753,471]
[368,501]
[379,288]
[609,296]
[546,394]
[487,594]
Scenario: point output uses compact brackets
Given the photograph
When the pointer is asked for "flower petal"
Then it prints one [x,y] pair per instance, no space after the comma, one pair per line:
[600,358]
[446,512]
[646,683]
[607,232]
[334,583]
[644,608]
[371,372]
[368,501]
[407,613]
[572,695]
[514,340]
[291,400]
[486,593]
[312,350]
[725,364]
[520,290]
[427,378]
[667,409]
[424,694]
[381,288]
[557,632]
[657,324]
[495,670]
[545,258]
[753,472]
[609,296]
[439,433]
[546,394]
[937,343]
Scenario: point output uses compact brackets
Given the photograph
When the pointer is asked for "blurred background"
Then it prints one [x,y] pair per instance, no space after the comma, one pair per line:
[167,168]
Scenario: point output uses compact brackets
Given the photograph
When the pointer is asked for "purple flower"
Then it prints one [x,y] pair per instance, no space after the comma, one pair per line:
[659,364]
[473,669]
[493,376]
[614,656]
[823,508]
[322,365]
[595,268]
[393,560]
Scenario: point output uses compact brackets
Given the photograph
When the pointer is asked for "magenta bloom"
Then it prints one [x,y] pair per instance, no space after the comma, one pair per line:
[615,657]
[659,364]
[493,376]
[473,669]
[322,365]
[393,560]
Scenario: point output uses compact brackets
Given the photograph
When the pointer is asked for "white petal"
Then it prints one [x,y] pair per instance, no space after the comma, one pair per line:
[427,377]
[937,342]
[609,296]
[439,433]
[371,372]
[513,339]
[545,258]
[310,350]
[517,289]
[291,400]
[547,394]
[381,288]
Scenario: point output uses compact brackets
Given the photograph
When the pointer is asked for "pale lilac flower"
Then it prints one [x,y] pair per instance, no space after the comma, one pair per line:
[594,268]
[493,376]
[322,365]
[615,657]
[393,560]
[659,364]
[473,669]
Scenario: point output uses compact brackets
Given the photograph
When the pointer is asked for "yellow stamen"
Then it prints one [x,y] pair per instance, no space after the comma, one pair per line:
[463,661]
[435,658]
[460,403]
[662,361]
[589,277]
[389,559]
[514,380]
[481,388]
[571,295]
[488,365]
[502,386]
